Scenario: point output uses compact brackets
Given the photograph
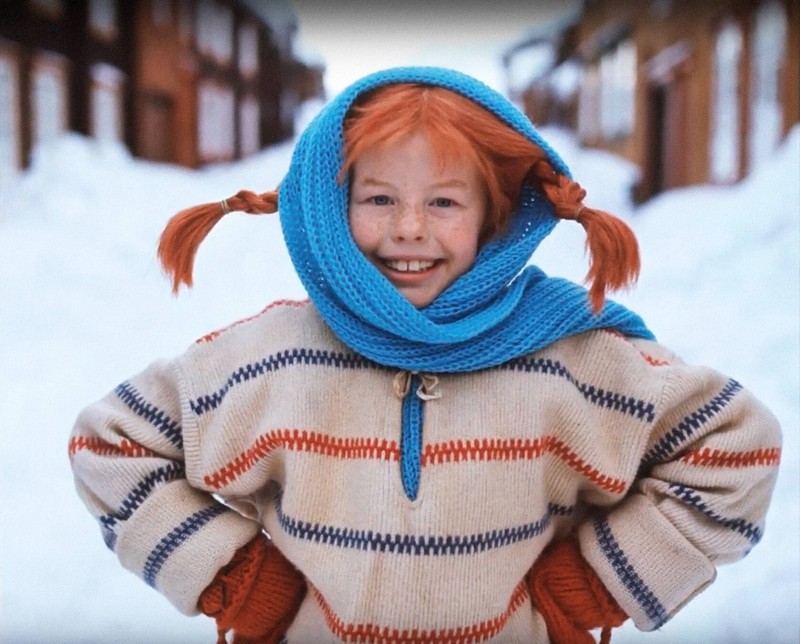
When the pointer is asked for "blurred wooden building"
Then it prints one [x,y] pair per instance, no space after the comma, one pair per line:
[692,91]
[179,81]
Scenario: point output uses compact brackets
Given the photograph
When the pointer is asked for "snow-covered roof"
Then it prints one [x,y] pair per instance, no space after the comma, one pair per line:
[278,14]
[546,31]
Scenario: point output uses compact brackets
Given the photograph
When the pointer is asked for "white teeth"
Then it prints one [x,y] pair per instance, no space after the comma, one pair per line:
[413,266]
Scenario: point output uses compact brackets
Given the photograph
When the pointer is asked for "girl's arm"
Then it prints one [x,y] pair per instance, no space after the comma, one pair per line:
[127,456]
[699,499]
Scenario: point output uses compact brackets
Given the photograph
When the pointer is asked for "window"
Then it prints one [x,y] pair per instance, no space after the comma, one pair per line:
[48,97]
[725,156]
[618,90]
[216,122]
[156,127]
[766,63]
[248,49]
[214,30]
[565,81]
[9,118]
[107,85]
[103,18]
[589,104]
[248,126]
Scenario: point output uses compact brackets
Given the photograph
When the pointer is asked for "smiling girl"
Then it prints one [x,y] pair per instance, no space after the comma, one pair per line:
[442,444]
[416,219]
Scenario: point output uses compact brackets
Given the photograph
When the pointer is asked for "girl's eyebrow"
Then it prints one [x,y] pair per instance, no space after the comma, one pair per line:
[369,181]
[449,183]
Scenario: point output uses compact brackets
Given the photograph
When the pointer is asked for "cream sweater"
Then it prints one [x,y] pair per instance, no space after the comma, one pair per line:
[664,469]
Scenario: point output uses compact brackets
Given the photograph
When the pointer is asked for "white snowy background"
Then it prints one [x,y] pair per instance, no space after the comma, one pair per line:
[83,305]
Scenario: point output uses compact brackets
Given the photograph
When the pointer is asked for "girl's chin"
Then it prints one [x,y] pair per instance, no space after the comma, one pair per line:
[420,297]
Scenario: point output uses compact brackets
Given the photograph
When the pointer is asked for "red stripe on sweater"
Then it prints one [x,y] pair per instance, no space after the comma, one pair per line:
[720,458]
[301,440]
[487,449]
[512,449]
[375,634]
[214,334]
[102,448]
[654,361]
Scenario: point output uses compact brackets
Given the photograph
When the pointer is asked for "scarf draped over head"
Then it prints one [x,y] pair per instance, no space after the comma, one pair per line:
[500,309]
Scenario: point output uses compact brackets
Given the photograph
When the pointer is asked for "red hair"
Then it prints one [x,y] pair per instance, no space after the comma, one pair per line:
[456,127]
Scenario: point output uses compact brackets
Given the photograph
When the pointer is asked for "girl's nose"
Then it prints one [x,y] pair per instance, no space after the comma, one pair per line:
[409,224]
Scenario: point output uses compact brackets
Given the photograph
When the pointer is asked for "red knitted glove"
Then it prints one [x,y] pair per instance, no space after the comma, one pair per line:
[257,594]
[570,596]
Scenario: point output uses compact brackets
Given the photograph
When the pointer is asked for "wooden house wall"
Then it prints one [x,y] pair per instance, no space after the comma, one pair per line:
[164,80]
[160,71]
[675,41]
[30,36]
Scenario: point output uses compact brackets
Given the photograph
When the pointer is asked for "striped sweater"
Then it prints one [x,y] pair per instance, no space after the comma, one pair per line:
[423,531]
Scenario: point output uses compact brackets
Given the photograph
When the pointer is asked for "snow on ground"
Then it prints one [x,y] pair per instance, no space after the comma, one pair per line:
[83,305]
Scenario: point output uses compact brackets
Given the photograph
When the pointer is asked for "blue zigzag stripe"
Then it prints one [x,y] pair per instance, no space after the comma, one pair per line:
[405,544]
[692,497]
[170,543]
[690,424]
[287,358]
[158,418]
[137,496]
[625,404]
[634,584]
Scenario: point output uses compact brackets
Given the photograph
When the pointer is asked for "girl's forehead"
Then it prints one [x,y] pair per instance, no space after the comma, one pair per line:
[420,146]
[445,144]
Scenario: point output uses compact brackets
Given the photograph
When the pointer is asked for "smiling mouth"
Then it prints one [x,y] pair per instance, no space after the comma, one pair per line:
[409,266]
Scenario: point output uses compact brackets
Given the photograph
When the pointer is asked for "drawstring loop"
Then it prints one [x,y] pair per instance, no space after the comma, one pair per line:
[402,384]
[428,389]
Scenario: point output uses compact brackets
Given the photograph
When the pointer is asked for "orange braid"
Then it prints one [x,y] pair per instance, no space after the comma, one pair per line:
[186,230]
[613,250]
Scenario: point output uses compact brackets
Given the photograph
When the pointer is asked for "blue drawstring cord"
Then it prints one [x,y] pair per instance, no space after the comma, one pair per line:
[411,438]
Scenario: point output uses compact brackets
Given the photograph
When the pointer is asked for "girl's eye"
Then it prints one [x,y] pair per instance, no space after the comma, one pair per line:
[380,200]
[442,202]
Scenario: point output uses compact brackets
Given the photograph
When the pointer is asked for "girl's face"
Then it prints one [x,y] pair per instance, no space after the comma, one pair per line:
[416,221]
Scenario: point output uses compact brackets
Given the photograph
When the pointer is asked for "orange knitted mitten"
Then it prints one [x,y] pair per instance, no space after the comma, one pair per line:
[256,595]
[570,596]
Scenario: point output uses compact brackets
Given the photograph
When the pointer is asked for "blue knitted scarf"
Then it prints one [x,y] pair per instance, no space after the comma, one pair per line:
[500,309]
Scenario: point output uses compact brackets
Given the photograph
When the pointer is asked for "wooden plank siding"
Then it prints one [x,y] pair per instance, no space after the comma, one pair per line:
[677,122]
[141,66]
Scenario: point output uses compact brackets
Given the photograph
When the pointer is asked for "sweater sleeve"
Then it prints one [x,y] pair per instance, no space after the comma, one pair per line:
[699,499]
[127,457]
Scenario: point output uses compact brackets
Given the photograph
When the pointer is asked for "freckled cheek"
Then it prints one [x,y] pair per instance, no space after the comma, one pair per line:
[366,232]
[462,238]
